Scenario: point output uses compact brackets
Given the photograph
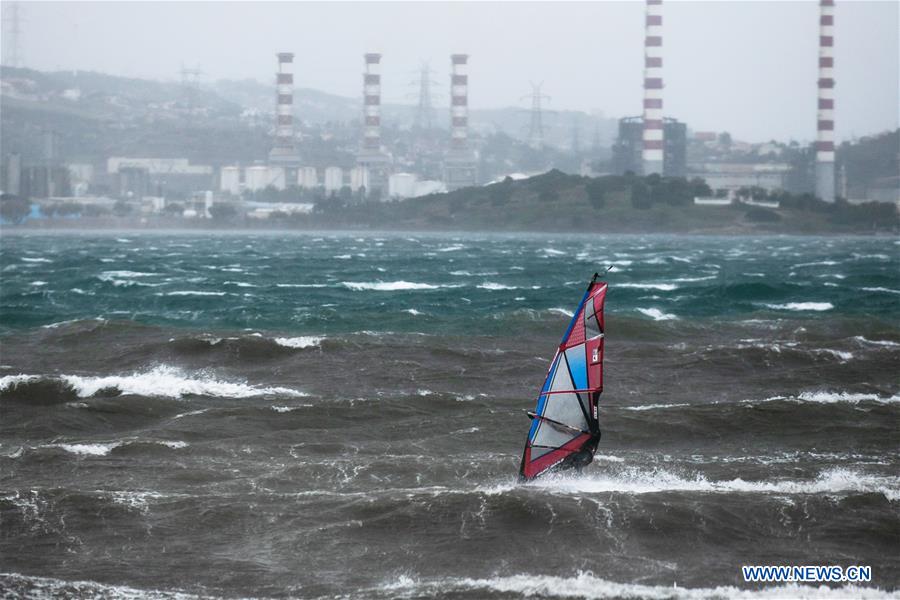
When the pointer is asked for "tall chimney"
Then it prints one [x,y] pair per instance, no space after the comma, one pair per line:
[284,108]
[653,150]
[459,101]
[825,112]
[372,103]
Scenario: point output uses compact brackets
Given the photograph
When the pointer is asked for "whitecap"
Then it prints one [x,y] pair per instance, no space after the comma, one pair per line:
[821,263]
[656,314]
[305,341]
[285,409]
[562,311]
[637,481]
[826,397]
[387,286]
[653,406]
[162,381]
[801,306]
[97,449]
[413,312]
[587,586]
[885,343]
[242,284]
[192,293]
[881,289]
[490,285]
[665,287]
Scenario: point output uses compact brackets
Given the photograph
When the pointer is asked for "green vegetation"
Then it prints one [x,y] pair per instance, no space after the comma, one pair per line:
[13,208]
[555,201]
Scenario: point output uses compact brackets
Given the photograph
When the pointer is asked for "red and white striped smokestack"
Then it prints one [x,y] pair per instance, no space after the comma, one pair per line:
[653,151]
[284,110]
[459,101]
[825,111]
[372,103]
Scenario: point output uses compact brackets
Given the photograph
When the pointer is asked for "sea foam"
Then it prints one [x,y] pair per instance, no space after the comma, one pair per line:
[587,586]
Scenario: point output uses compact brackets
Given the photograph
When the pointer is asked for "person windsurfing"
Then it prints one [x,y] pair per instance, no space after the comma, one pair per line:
[565,429]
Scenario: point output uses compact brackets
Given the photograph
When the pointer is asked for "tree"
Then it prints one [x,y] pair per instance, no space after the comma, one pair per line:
[174,208]
[121,208]
[13,208]
[596,192]
[640,195]
[222,211]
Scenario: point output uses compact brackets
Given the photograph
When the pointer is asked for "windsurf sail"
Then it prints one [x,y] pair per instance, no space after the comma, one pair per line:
[564,427]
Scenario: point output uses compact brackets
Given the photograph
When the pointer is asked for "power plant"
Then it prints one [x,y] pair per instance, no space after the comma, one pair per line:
[365,160]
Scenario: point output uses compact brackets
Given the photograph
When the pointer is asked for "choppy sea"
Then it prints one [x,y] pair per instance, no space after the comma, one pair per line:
[342,415]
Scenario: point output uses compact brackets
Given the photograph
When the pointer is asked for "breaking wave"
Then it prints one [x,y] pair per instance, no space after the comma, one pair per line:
[304,341]
[587,586]
[837,481]
[163,381]
[656,314]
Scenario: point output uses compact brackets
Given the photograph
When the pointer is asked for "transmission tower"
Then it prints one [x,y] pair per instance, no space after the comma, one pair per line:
[536,128]
[190,80]
[424,110]
[576,137]
[12,20]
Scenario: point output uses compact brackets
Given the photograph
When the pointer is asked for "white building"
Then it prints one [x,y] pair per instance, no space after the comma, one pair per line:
[733,176]
[157,166]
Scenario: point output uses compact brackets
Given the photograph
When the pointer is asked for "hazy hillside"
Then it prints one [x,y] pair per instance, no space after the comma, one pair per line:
[96,115]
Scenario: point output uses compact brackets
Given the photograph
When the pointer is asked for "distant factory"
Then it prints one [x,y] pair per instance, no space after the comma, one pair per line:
[653,143]
[375,175]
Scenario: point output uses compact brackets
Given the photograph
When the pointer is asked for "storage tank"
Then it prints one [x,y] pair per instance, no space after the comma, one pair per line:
[401,186]
[359,177]
[307,178]
[334,179]
[277,177]
[230,180]
[260,177]
[256,178]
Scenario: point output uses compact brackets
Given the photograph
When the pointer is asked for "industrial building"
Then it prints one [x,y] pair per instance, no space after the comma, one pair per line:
[628,151]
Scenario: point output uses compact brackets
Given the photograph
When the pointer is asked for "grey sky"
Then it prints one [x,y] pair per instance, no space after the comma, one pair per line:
[746,67]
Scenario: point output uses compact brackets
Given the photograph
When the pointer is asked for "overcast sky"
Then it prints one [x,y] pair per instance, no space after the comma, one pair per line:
[741,66]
